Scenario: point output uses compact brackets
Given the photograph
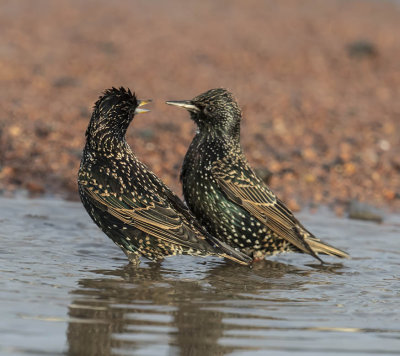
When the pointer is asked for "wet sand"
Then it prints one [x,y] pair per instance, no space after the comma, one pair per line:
[319,84]
[66,289]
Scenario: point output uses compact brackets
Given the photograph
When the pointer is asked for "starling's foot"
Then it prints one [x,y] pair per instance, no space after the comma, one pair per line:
[258,256]
[133,258]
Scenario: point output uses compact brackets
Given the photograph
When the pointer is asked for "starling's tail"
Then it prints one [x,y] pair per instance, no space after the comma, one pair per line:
[226,251]
[239,259]
[321,247]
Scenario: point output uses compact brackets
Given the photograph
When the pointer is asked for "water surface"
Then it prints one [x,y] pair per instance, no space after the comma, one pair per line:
[66,289]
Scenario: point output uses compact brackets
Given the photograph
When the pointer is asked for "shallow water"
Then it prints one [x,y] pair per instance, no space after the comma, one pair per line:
[66,289]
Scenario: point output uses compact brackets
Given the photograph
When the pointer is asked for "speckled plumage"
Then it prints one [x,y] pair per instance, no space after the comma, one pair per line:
[226,195]
[127,201]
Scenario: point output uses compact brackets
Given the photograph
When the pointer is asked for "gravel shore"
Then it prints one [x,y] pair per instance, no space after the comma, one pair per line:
[318,82]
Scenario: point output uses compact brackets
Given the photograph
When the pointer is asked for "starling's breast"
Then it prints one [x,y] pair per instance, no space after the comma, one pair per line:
[221,216]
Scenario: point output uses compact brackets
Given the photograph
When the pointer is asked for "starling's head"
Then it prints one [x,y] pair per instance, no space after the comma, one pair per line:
[214,111]
[114,111]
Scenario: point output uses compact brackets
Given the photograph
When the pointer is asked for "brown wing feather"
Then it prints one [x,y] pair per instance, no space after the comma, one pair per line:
[248,191]
[155,219]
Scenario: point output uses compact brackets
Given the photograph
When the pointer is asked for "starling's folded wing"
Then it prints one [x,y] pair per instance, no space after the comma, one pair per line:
[148,213]
[224,249]
[241,185]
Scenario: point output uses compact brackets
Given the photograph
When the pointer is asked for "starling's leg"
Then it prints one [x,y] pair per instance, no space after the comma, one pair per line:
[133,257]
[258,256]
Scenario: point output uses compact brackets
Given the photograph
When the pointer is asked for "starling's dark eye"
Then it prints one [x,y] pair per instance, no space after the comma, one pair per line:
[208,110]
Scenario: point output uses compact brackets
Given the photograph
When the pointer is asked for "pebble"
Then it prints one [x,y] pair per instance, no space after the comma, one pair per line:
[363,211]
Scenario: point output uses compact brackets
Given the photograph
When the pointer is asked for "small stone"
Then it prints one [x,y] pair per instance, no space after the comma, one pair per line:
[309,153]
[363,211]
[293,205]
[361,49]
[310,178]
[107,47]
[15,130]
[6,171]
[396,163]
[63,82]
[34,188]
[384,145]
[147,134]
[389,194]
[42,130]
[339,210]
[350,169]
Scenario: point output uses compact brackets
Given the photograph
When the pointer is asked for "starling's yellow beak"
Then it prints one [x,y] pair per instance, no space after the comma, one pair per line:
[186,104]
[139,110]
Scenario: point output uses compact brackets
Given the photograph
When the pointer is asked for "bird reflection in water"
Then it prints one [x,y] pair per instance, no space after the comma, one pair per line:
[167,310]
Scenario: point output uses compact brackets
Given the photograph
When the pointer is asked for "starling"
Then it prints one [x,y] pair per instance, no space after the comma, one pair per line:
[224,192]
[127,201]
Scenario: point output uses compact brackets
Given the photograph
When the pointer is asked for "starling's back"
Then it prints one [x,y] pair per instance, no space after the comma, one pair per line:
[127,201]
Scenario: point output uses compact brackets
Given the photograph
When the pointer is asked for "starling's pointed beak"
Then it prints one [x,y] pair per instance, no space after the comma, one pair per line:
[139,110]
[187,104]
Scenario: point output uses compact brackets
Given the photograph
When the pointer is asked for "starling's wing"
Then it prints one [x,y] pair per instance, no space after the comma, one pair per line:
[148,213]
[242,186]
[225,250]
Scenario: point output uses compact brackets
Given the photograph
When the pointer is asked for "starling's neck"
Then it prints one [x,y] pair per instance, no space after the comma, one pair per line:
[219,135]
[106,132]
[104,135]
[106,141]
[219,144]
